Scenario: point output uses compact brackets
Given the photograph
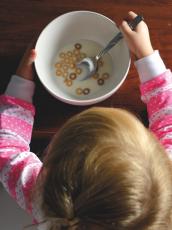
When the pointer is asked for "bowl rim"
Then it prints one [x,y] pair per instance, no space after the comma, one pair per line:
[77,101]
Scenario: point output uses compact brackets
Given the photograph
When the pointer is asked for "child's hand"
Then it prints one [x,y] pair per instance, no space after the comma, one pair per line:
[26,69]
[138,40]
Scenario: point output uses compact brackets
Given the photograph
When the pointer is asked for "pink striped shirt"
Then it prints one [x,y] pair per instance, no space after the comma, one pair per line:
[19,168]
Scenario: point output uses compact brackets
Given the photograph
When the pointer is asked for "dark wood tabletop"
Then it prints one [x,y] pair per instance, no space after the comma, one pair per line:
[22,20]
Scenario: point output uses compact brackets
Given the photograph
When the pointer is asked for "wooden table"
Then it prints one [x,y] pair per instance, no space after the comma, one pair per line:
[21,20]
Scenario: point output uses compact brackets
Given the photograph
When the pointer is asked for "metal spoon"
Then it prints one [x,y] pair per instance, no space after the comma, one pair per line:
[90,64]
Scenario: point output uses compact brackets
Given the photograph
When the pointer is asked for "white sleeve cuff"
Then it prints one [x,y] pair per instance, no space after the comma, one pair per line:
[149,67]
[20,88]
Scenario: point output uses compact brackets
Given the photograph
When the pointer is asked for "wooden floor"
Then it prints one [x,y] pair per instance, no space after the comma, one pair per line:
[21,20]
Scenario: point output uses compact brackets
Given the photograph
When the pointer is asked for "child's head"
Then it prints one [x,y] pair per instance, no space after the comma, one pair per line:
[104,170]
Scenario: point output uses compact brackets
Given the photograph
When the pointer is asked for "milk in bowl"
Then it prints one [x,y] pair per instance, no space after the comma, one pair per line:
[68,74]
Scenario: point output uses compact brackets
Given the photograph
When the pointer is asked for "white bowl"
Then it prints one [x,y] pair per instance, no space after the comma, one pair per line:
[71,27]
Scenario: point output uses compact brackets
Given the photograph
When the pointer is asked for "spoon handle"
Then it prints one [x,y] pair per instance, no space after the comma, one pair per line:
[135,21]
[118,37]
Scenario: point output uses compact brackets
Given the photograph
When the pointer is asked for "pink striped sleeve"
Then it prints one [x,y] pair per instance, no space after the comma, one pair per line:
[19,168]
[157,94]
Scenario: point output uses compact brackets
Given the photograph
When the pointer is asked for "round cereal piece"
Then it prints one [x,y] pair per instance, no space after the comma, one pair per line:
[70,61]
[59,73]
[66,60]
[78,46]
[72,65]
[86,91]
[62,55]
[72,76]
[65,74]
[78,71]
[69,53]
[65,71]
[78,58]
[100,63]
[79,91]
[74,58]
[68,82]
[63,63]
[83,55]
[100,81]
[105,75]
[65,67]
[58,65]
[76,52]
[95,76]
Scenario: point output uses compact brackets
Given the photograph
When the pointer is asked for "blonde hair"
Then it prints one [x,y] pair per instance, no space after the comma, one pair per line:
[106,169]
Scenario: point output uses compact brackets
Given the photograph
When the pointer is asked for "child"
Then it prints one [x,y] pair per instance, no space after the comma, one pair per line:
[104,169]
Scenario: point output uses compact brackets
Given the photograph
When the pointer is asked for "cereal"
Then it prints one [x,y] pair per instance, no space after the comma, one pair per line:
[78,58]
[76,52]
[83,55]
[100,63]
[63,63]
[66,67]
[78,71]
[79,91]
[68,82]
[95,76]
[72,65]
[65,74]
[58,65]
[105,76]
[100,81]
[74,59]
[86,91]
[62,55]
[59,73]
[78,46]
[72,76]
[66,60]
[69,54]
[71,61]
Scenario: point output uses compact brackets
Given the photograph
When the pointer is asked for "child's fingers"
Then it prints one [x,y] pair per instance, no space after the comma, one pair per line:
[25,68]
[31,57]
[132,15]
[125,29]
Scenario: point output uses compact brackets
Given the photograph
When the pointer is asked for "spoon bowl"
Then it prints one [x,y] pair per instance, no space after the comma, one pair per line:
[90,65]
